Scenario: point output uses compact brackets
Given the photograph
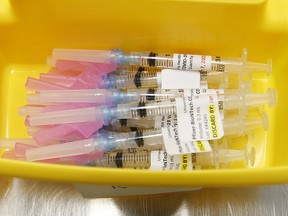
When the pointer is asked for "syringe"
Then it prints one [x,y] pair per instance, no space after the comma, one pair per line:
[143,158]
[168,60]
[138,158]
[233,126]
[130,79]
[228,101]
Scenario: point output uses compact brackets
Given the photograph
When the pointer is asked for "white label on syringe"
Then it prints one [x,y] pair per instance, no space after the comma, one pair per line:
[174,146]
[179,79]
[164,121]
[161,160]
[191,62]
[199,118]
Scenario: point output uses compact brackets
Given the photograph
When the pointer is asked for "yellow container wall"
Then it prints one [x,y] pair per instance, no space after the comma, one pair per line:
[33,28]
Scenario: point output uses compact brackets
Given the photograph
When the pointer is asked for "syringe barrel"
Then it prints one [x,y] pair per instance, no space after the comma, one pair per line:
[140,138]
[139,122]
[142,109]
[152,94]
[131,159]
[137,80]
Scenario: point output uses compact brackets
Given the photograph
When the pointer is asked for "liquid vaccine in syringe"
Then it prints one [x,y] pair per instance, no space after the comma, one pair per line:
[133,158]
[133,76]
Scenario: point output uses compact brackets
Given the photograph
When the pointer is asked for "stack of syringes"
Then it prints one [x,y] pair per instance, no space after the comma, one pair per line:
[143,110]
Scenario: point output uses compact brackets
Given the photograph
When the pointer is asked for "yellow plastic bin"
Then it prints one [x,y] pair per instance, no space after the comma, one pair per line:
[30,29]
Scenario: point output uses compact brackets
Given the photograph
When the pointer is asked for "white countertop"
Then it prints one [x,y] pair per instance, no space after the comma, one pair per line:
[28,197]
